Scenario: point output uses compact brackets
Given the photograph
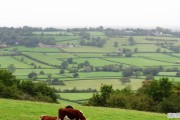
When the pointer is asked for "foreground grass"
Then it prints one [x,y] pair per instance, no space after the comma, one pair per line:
[25,110]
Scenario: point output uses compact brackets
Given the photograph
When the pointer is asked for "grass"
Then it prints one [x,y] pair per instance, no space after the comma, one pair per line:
[25,110]
[93,61]
[76,96]
[89,49]
[6,60]
[30,61]
[92,55]
[96,84]
[35,49]
[50,58]
[99,74]
[158,56]
[145,48]
[138,61]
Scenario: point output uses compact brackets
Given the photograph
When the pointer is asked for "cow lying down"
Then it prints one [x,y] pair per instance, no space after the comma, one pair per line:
[70,114]
[44,117]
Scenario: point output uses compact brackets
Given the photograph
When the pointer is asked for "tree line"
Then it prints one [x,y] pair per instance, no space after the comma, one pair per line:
[25,36]
[156,96]
[10,87]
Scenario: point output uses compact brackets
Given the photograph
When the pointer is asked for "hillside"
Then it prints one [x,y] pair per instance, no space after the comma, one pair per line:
[25,110]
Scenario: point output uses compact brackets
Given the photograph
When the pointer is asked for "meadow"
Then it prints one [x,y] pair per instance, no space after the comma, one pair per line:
[96,84]
[25,110]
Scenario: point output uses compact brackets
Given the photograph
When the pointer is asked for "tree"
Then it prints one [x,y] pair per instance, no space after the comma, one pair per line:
[22,59]
[127,72]
[49,76]
[7,78]
[100,99]
[159,89]
[32,75]
[125,80]
[158,50]
[11,68]
[178,74]
[115,44]
[135,50]
[62,71]
[41,72]
[86,63]
[128,54]
[151,71]
[137,74]
[64,65]
[75,75]
[131,41]
[70,60]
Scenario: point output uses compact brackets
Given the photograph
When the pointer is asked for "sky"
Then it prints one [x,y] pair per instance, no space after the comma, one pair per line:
[90,13]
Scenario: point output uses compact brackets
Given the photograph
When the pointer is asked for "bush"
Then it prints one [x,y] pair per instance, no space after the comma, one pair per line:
[170,104]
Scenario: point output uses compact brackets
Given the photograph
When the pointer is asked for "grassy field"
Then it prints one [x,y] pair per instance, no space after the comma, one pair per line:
[158,56]
[6,60]
[96,84]
[50,58]
[89,49]
[34,49]
[25,110]
[138,61]
[76,96]
[93,61]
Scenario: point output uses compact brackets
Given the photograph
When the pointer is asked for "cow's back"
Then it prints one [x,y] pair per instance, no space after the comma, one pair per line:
[48,118]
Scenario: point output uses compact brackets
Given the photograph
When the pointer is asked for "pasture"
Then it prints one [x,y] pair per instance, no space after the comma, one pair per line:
[96,84]
[34,49]
[76,96]
[138,61]
[25,110]
[88,49]
[7,60]
[48,59]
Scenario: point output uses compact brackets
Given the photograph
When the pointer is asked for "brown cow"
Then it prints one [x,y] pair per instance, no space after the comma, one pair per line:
[70,113]
[44,117]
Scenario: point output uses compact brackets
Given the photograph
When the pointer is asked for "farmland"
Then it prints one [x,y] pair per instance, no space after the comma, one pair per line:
[92,63]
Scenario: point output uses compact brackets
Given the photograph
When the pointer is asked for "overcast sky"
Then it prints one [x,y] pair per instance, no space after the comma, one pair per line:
[86,13]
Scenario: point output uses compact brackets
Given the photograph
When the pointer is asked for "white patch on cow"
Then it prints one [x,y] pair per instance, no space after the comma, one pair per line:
[67,118]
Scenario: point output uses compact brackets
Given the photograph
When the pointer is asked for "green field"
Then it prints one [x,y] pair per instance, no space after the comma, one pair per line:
[89,49]
[50,58]
[76,96]
[34,49]
[93,61]
[96,84]
[6,60]
[138,61]
[25,110]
